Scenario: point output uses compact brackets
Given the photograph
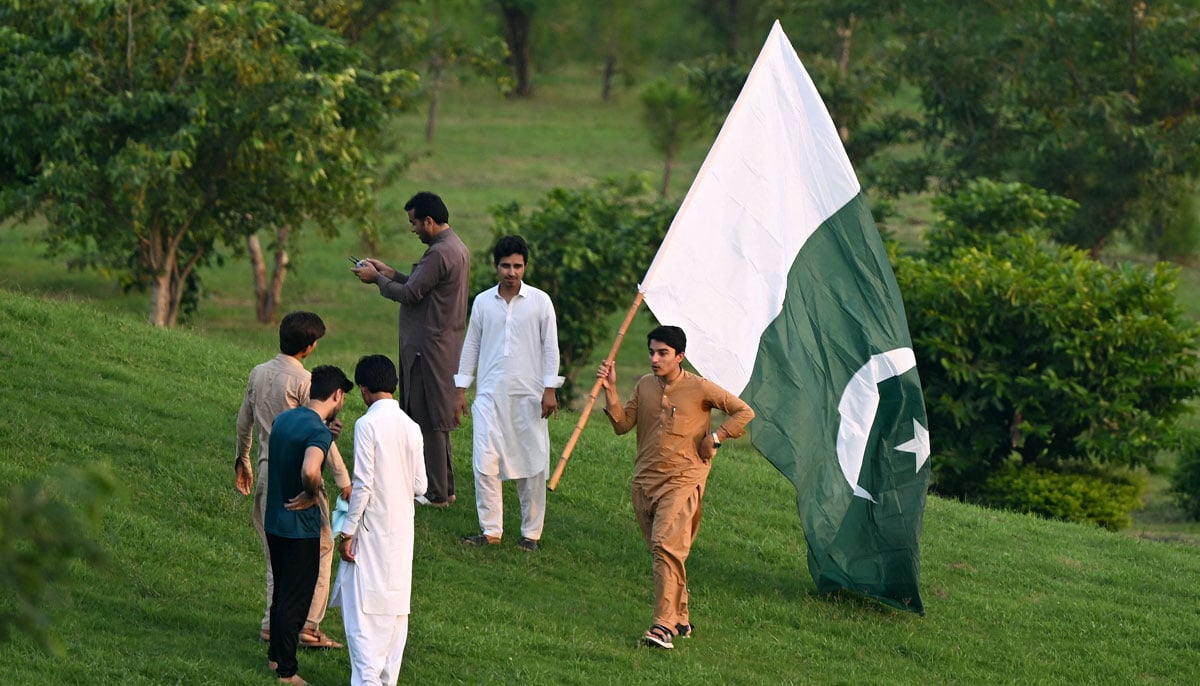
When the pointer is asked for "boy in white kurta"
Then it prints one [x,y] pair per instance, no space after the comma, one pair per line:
[374,584]
[512,338]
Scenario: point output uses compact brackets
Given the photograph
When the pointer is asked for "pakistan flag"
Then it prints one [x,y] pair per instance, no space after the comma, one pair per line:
[775,270]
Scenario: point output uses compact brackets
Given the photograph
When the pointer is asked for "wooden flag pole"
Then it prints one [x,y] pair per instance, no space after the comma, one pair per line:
[587,409]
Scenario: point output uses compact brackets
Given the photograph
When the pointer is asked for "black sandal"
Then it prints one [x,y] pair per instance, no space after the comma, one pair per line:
[658,636]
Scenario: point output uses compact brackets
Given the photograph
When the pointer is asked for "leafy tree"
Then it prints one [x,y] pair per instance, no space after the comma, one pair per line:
[717,81]
[149,133]
[429,37]
[1176,233]
[376,27]
[984,211]
[727,22]
[621,35]
[1033,353]
[674,116]
[620,39]
[588,249]
[1092,100]
[45,524]
[442,46]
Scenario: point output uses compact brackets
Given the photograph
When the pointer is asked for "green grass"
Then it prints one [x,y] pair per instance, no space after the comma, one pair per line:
[1010,599]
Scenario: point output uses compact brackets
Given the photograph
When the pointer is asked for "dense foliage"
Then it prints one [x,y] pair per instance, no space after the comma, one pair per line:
[46,523]
[984,211]
[588,249]
[1185,479]
[1092,100]
[148,133]
[1031,352]
[1078,494]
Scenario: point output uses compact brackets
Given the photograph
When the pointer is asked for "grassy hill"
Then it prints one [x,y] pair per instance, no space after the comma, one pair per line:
[1010,599]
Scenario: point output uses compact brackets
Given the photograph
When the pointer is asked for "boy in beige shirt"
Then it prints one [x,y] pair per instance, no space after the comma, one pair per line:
[671,409]
[276,385]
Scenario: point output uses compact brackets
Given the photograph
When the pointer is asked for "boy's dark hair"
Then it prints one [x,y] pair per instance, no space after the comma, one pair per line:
[426,204]
[376,373]
[673,336]
[325,380]
[510,245]
[298,330]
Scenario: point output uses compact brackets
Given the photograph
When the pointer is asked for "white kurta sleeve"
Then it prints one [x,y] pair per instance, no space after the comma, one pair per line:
[364,476]
[468,360]
[549,326]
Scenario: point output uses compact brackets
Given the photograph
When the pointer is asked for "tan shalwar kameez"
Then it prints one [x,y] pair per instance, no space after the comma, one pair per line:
[672,420]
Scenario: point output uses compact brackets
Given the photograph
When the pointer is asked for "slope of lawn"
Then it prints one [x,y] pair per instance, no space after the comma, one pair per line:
[1010,599]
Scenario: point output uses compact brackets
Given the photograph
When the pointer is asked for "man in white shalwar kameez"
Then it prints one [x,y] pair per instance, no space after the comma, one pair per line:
[374,583]
[512,338]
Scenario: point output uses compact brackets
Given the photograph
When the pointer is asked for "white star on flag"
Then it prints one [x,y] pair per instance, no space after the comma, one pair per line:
[919,445]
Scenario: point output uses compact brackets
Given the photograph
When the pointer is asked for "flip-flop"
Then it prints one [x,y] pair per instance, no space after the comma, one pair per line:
[317,639]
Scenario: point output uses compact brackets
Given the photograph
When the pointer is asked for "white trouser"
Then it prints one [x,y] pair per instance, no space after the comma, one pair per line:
[489,501]
[376,642]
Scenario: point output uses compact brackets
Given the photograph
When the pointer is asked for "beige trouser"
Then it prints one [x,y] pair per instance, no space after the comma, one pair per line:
[316,611]
[669,525]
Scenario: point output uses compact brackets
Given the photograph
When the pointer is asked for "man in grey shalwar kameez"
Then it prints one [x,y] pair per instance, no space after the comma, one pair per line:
[433,318]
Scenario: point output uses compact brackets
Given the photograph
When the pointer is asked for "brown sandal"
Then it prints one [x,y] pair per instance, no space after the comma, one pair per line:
[316,638]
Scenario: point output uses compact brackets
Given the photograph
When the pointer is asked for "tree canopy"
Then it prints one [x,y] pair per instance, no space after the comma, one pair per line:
[1095,101]
[147,133]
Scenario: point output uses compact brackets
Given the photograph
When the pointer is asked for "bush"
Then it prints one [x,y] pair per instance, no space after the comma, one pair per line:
[984,211]
[1106,499]
[1033,349]
[588,249]
[1185,479]
[46,524]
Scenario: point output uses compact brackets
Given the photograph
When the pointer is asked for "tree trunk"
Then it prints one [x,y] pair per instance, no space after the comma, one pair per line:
[516,34]
[160,301]
[735,43]
[435,91]
[846,33]
[666,181]
[610,70]
[160,253]
[166,292]
[259,268]
[268,296]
